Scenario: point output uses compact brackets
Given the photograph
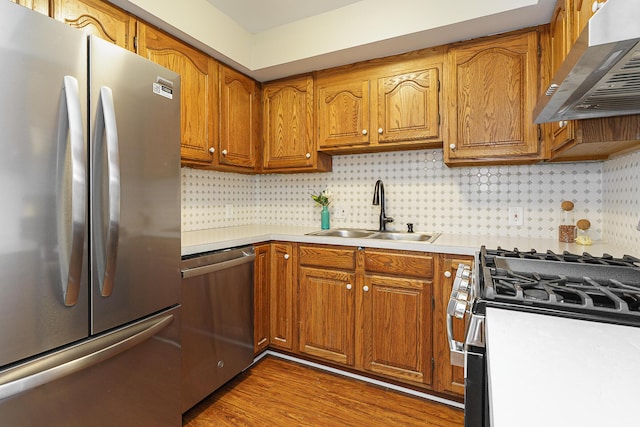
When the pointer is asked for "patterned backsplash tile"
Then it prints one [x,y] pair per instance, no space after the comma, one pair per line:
[421,190]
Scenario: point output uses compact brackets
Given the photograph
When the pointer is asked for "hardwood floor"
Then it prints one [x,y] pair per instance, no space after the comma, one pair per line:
[277,392]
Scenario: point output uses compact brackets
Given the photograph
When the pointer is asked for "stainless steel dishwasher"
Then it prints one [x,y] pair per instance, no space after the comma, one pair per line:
[217,321]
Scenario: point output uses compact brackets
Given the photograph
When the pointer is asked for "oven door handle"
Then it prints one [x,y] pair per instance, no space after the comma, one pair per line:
[456,348]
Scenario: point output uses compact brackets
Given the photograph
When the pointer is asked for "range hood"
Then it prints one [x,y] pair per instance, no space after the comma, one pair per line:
[601,75]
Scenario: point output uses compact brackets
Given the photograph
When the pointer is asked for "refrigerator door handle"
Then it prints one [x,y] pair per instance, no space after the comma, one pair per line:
[106,129]
[75,359]
[71,168]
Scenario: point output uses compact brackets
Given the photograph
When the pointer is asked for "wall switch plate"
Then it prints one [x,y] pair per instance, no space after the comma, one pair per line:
[516,216]
[229,211]
[340,211]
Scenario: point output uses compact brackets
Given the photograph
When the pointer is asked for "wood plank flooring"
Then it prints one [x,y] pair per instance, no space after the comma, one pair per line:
[277,392]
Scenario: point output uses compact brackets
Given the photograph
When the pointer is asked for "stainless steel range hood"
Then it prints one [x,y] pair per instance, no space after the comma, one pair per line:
[601,75]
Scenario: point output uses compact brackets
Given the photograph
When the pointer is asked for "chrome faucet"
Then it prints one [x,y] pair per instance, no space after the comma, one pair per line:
[378,199]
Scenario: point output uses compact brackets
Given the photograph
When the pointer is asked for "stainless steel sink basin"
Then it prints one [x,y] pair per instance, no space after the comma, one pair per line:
[414,237]
[344,232]
[358,233]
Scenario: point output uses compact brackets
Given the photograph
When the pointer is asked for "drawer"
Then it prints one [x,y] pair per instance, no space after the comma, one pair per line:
[402,263]
[328,257]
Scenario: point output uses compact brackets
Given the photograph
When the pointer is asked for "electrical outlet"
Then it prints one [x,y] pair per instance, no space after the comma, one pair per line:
[229,211]
[516,216]
[340,211]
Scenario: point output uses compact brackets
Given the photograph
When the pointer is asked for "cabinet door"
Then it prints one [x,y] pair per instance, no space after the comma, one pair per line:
[326,314]
[397,327]
[97,18]
[281,295]
[262,270]
[288,124]
[448,378]
[493,88]
[343,114]
[239,117]
[199,84]
[561,131]
[408,107]
[41,6]
[582,11]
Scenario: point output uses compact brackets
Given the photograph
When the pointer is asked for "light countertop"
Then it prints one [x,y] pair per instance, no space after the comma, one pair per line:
[199,241]
[554,371]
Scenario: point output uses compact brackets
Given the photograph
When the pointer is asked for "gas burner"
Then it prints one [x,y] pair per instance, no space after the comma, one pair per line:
[585,257]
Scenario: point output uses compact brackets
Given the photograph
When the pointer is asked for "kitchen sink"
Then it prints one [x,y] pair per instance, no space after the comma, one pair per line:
[414,237]
[344,232]
[358,233]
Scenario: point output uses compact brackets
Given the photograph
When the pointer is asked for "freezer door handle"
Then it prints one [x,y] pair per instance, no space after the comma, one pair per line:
[75,359]
[106,129]
[71,188]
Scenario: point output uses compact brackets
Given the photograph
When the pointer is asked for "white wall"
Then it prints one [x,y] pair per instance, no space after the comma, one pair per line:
[422,190]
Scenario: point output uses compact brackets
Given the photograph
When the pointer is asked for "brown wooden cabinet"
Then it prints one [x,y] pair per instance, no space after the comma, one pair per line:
[283,276]
[381,106]
[199,90]
[289,143]
[326,303]
[492,87]
[448,378]
[589,139]
[97,18]
[262,273]
[41,6]
[239,120]
[396,305]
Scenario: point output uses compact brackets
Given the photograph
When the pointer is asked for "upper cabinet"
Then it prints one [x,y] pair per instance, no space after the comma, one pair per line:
[289,143]
[590,139]
[97,18]
[381,105]
[492,88]
[199,90]
[239,121]
[41,6]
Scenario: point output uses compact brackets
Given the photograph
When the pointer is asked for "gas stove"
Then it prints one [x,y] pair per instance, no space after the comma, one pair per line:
[605,289]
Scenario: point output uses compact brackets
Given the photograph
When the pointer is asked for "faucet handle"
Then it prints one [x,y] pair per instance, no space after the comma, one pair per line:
[388,219]
[409,227]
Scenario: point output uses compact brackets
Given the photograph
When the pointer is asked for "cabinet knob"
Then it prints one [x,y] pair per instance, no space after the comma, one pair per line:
[286,256]
[224,152]
[364,131]
[447,274]
[596,6]
[308,155]
[380,130]
[212,150]
[365,288]
[349,286]
[452,147]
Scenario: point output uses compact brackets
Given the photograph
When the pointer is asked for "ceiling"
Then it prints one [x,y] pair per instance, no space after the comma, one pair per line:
[259,15]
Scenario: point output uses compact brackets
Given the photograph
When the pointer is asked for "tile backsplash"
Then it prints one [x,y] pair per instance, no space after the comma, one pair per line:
[420,189]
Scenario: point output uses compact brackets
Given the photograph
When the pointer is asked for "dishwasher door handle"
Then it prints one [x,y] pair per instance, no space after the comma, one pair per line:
[206,269]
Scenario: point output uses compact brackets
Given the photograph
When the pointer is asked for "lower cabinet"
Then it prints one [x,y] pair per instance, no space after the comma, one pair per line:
[378,311]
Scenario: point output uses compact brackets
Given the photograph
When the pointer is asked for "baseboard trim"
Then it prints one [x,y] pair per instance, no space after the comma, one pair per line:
[361,378]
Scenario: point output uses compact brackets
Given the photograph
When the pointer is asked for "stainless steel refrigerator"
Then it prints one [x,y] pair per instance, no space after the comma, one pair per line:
[89,230]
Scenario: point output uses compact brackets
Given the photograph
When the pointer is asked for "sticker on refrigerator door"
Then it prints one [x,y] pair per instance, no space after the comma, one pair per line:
[163,87]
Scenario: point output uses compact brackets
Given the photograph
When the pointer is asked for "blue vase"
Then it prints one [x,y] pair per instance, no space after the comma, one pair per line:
[324,218]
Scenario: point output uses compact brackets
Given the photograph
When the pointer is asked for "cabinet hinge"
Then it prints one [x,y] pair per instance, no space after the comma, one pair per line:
[438,85]
[539,133]
[135,43]
[539,50]
[433,364]
[433,302]
[438,119]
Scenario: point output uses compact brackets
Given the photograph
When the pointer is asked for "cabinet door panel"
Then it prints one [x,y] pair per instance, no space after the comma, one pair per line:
[97,18]
[494,89]
[238,119]
[326,314]
[261,298]
[281,290]
[343,116]
[288,124]
[408,107]
[397,328]
[198,79]
[41,6]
